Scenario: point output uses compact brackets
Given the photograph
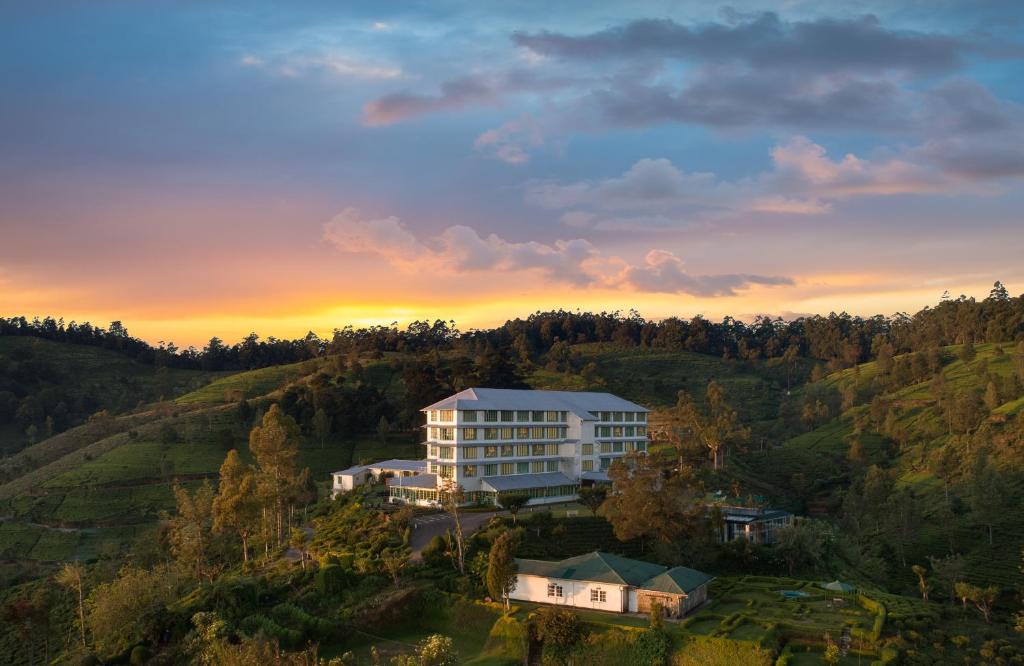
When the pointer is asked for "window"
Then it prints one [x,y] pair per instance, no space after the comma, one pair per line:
[508,451]
[588,466]
[606,416]
[563,416]
[508,468]
[469,433]
[554,590]
[432,451]
[616,431]
[537,433]
[469,470]
[446,415]
[490,470]
[537,417]
[605,463]
[522,450]
[447,452]
[641,446]
[641,431]
[629,431]
[617,416]
[551,417]
[606,447]
[629,416]
[522,433]
[641,416]
[523,468]
[506,433]
[490,452]
[617,447]
[588,449]
[522,416]
[552,465]
[433,468]
[446,434]
[491,416]
[537,467]
[552,432]
[538,449]
[447,471]
[598,595]
[470,451]
[551,449]
[490,433]
[469,416]
[604,431]
[432,415]
[507,415]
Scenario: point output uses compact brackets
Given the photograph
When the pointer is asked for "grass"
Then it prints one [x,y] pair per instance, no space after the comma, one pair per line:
[250,384]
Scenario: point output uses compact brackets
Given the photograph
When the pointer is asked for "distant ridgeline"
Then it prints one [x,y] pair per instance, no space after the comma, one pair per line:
[840,339]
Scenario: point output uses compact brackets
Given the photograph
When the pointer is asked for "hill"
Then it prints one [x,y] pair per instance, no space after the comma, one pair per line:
[928,432]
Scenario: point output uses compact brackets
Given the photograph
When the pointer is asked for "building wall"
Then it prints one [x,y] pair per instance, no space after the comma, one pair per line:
[575,593]
[694,599]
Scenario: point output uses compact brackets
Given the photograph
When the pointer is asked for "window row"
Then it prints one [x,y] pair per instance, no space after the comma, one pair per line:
[599,596]
[441,416]
[506,469]
[621,431]
[554,590]
[613,447]
[620,417]
[506,433]
[503,451]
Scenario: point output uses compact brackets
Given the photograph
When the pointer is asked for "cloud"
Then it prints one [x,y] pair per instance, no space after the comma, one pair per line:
[663,272]
[513,141]
[764,41]
[803,180]
[295,64]
[455,93]
[459,249]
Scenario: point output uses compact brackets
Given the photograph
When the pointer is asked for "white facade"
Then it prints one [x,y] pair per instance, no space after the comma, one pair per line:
[510,435]
[348,479]
[576,593]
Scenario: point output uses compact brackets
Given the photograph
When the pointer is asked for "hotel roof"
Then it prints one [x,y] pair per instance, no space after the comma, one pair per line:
[393,465]
[581,403]
[524,481]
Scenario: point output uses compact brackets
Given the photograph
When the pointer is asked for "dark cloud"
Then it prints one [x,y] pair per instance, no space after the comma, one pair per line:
[725,97]
[765,41]
[454,94]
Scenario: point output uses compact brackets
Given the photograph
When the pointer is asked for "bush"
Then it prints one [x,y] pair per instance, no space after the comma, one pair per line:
[140,655]
[651,648]
[331,580]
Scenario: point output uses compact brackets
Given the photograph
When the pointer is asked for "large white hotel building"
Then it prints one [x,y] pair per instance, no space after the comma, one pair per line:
[542,443]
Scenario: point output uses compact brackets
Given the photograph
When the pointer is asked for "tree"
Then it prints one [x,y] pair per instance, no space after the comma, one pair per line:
[715,429]
[383,428]
[322,425]
[437,650]
[501,568]
[297,542]
[922,582]
[987,496]
[394,561]
[593,497]
[802,544]
[451,496]
[71,576]
[559,630]
[981,597]
[652,498]
[275,445]
[236,506]
[126,610]
[513,502]
[947,572]
[189,529]
[968,352]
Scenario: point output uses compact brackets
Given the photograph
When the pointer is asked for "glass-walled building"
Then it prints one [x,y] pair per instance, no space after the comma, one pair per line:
[542,443]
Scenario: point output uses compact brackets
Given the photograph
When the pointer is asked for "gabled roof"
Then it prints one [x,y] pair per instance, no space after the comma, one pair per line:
[581,403]
[677,580]
[597,566]
[600,567]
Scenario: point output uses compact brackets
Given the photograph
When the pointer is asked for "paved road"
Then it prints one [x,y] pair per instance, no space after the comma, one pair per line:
[427,527]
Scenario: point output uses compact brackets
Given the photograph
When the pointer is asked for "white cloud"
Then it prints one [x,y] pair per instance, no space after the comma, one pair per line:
[460,249]
[513,141]
[295,64]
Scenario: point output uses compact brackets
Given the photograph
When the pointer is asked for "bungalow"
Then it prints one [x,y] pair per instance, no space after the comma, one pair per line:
[603,581]
[357,475]
[755,524]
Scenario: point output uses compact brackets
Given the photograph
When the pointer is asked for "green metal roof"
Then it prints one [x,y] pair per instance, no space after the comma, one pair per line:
[607,568]
[677,580]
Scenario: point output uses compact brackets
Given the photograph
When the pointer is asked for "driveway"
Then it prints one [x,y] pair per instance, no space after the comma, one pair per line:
[425,528]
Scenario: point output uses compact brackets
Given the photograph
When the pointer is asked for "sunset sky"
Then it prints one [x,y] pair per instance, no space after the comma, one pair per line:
[214,168]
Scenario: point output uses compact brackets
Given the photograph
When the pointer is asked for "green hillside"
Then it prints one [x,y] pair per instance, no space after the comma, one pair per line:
[903,430]
[50,386]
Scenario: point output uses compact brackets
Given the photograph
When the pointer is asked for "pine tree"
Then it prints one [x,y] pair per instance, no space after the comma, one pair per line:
[236,506]
[501,568]
[275,445]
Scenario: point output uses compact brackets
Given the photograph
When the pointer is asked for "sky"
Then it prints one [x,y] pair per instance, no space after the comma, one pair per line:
[214,168]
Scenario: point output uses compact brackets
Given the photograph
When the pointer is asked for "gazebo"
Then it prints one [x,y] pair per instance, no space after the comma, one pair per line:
[839,586]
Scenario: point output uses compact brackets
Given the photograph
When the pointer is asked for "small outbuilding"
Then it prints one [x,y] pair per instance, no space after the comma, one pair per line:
[357,475]
[603,581]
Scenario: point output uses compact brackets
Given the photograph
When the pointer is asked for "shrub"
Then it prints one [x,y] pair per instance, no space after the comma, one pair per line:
[331,580]
[651,648]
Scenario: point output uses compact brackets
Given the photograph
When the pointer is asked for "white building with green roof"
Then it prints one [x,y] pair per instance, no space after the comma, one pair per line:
[541,443]
[602,581]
